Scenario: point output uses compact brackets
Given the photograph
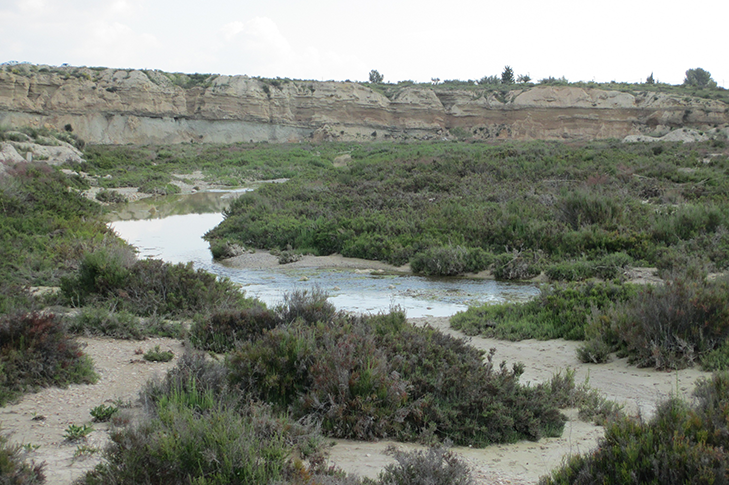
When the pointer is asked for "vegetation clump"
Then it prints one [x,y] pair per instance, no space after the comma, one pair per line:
[36,351]
[670,326]
[574,212]
[559,311]
[680,444]
[14,470]
[158,355]
[222,332]
[149,287]
[436,466]
[123,324]
[378,376]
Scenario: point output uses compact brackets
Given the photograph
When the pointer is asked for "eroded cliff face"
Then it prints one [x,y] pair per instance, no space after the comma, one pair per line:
[143,107]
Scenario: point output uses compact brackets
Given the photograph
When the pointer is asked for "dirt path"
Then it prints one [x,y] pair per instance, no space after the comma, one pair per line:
[123,373]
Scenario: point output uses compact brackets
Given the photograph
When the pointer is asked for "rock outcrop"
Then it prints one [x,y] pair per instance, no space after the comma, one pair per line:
[126,106]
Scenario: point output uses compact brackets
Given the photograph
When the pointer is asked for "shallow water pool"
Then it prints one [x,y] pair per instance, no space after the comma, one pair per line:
[171,229]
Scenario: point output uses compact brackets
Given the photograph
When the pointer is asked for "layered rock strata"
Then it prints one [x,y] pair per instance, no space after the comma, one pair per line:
[146,107]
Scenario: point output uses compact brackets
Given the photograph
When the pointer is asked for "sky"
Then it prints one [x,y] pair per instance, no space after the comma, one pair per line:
[620,40]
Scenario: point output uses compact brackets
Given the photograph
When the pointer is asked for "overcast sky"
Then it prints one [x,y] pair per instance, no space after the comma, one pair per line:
[583,40]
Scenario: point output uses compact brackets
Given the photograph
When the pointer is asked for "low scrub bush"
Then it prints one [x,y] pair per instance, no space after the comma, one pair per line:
[378,376]
[158,355]
[197,432]
[221,332]
[151,287]
[36,351]
[608,267]
[14,470]
[517,265]
[589,207]
[181,445]
[436,466]
[592,405]
[717,359]
[450,261]
[667,327]
[99,321]
[95,321]
[311,306]
[680,444]
[560,311]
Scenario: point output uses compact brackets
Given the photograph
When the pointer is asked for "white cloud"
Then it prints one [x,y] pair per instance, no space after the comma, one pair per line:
[32,6]
[259,38]
[115,44]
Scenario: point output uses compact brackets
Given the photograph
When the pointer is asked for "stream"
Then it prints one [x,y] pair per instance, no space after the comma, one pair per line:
[171,228]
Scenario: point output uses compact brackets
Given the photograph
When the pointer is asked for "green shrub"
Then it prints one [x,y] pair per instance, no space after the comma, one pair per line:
[16,471]
[157,355]
[276,367]
[436,466]
[35,351]
[151,287]
[517,265]
[717,359]
[608,267]
[378,376]
[221,332]
[95,321]
[441,261]
[585,208]
[101,273]
[680,444]
[560,311]
[183,446]
[311,306]
[458,396]
[669,326]
[450,261]
[103,413]
[197,431]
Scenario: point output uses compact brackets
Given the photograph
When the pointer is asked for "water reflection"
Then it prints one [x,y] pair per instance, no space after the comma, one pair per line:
[171,228]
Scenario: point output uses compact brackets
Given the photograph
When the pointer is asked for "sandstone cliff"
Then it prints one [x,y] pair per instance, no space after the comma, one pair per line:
[123,106]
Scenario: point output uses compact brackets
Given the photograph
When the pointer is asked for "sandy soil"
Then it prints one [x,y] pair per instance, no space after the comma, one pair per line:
[123,373]
[41,419]
[261,259]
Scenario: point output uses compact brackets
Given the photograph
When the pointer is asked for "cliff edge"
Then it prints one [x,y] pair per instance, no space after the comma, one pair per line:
[115,106]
